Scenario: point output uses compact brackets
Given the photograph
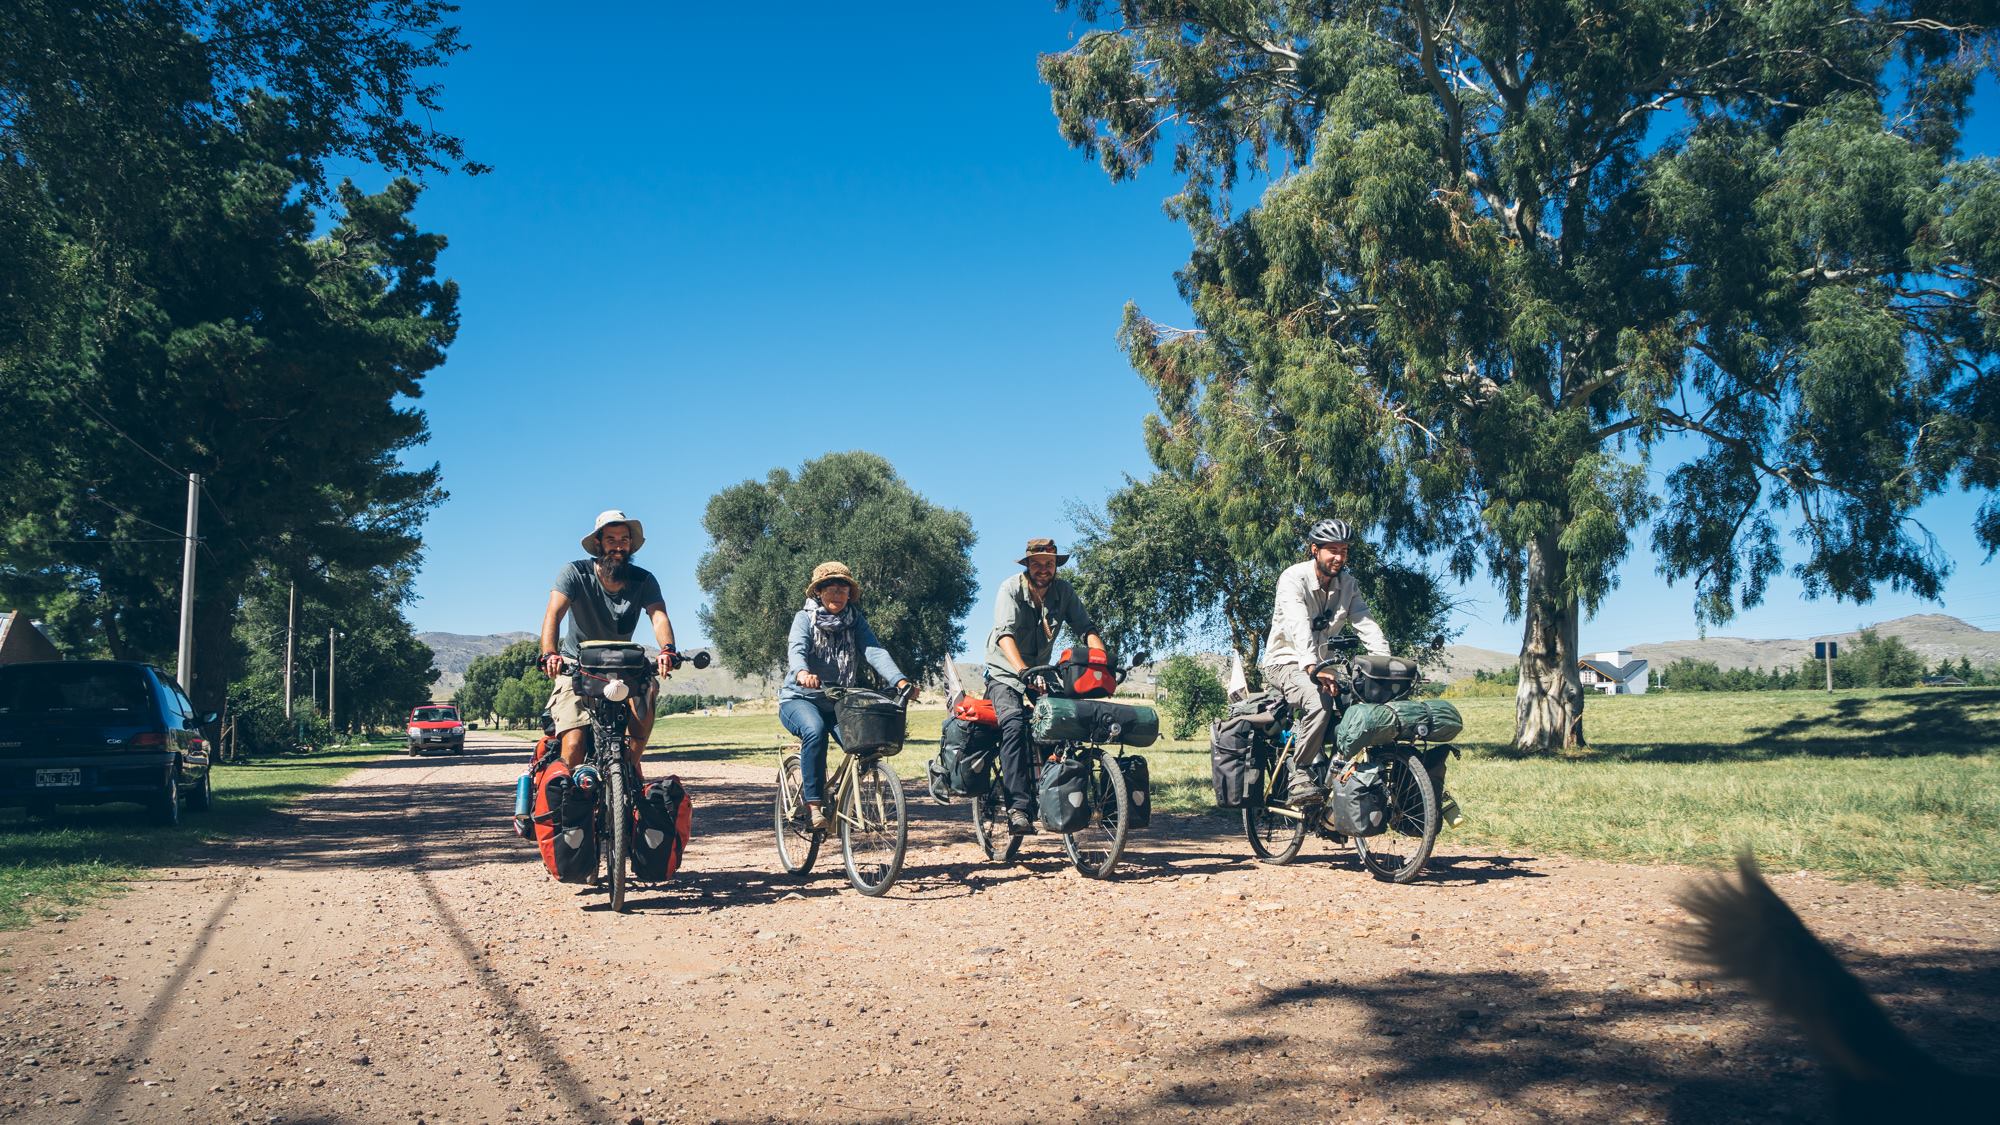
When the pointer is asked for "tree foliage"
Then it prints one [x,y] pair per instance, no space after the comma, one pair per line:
[1508,255]
[913,561]
[487,675]
[1189,694]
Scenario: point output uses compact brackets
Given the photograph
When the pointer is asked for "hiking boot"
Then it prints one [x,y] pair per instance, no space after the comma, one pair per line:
[819,819]
[1303,790]
[1020,823]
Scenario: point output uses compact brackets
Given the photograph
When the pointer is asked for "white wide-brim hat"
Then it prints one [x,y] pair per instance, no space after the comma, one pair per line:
[593,544]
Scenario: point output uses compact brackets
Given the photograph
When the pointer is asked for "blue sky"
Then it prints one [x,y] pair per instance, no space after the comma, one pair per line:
[715,246]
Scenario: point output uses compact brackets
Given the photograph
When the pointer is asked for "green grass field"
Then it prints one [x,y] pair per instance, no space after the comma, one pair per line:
[1881,785]
[84,853]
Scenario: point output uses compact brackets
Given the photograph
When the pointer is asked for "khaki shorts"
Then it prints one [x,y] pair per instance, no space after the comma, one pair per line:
[566,706]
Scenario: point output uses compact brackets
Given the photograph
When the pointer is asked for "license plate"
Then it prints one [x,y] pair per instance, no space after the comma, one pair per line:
[56,779]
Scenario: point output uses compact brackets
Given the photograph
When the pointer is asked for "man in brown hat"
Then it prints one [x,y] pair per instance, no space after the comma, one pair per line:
[603,597]
[1030,609]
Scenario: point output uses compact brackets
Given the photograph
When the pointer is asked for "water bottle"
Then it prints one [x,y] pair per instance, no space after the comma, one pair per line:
[586,777]
[1449,812]
[524,804]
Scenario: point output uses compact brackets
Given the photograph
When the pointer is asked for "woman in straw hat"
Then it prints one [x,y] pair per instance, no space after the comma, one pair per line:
[830,641]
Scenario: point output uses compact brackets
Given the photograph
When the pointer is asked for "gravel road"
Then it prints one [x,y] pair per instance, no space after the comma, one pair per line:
[392,953]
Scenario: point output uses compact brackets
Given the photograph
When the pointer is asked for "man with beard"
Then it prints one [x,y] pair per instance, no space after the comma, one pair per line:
[1030,608]
[603,596]
[1316,599]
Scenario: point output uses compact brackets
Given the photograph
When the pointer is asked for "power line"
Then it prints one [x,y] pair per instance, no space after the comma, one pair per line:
[182,474]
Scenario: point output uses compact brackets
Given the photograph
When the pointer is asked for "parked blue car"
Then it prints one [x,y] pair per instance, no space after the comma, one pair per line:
[89,732]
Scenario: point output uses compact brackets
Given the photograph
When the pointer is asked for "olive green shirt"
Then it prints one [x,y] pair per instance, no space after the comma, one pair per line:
[1033,627]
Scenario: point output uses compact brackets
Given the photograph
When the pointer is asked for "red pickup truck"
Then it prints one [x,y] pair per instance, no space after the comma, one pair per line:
[436,726]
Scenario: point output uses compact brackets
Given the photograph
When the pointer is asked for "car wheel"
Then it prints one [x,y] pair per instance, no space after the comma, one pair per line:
[167,806]
[203,795]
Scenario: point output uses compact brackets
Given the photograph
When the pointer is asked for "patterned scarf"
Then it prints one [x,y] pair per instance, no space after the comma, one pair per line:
[833,642]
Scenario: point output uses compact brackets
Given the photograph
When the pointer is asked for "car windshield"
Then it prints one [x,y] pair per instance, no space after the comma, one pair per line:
[434,715]
[56,689]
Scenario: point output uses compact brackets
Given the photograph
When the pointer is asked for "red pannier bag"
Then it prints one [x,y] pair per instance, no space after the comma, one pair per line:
[663,819]
[976,711]
[565,825]
[1086,673]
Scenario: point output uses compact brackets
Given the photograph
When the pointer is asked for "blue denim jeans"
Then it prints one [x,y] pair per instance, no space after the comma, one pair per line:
[811,720]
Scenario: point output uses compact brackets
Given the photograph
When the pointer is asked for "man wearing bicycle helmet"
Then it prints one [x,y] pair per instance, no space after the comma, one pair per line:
[603,597]
[1316,599]
[1030,609]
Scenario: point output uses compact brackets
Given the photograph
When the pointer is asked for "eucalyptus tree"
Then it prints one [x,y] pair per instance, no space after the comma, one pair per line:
[1508,256]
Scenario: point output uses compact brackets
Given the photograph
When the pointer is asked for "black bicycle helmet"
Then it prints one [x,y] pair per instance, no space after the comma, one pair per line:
[1330,531]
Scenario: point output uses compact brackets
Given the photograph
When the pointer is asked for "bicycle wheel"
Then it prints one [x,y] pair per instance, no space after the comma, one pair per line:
[989,827]
[873,828]
[1274,837]
[798,844]
[618,839]
[1096,846]
[1398,854]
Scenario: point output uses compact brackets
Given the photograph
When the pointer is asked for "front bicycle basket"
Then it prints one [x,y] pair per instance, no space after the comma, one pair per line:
[870,723]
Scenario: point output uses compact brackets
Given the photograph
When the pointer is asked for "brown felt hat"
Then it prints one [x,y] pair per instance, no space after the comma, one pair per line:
[832,572]
[1043,547]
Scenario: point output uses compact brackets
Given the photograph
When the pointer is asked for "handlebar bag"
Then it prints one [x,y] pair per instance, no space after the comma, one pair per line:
[870,723]
[565,825]
[1064,799]
[974,710]
[1365,726]
[1379,679]
[663,819]
[1094,721]
[1086,673]
[1359,805]
[966,752]
[1234,762]
[1428,720]
[603,659]
[1138,790]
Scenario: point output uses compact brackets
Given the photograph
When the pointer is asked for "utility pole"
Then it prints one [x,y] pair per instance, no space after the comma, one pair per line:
[291,636]
[184,660]
[329,682]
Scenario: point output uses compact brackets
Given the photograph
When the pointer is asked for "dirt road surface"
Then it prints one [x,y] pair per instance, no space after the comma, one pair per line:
[392,953]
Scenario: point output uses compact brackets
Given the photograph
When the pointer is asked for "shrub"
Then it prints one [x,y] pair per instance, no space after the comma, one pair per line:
[1190,695]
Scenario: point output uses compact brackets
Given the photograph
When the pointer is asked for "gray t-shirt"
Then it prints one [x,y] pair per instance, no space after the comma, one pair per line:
[597,614]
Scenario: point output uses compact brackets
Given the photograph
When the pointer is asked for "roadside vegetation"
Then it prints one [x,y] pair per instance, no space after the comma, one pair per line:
[1887,786]
[50,865]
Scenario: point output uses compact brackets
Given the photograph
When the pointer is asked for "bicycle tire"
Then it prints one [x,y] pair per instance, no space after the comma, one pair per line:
[1413,817]
[618,807]
[1274,839]
[798,844]
[874,828]
[1095,847]
[989,827]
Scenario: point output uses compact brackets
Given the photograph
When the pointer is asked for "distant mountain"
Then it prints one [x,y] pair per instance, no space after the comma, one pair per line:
[452,653]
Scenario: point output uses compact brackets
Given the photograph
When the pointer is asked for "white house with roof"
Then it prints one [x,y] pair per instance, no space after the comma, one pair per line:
[1614,673]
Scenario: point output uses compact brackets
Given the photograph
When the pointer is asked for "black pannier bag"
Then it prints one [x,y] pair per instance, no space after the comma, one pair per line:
[601,662]
[870,723]
[1235,763]
[662,830]
[574,851]
[1379,679]
[1435,759]
[1357,802]
[1065,797]
[1095,721]
[966,751]
[1138,790]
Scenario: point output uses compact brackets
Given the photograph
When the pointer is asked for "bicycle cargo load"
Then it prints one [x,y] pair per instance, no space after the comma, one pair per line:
[1357,802]
[663,820]
[975,710]
[1379,679]
[1366,726]
[1064,800]
[565,824]
[966,751]
[1265,709]
[1138,790]
[870,723]
[1086,673]
[1094,721]
[1428,720]
[1236,766]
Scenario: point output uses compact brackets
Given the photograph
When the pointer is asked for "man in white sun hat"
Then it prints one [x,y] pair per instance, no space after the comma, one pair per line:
[603,597]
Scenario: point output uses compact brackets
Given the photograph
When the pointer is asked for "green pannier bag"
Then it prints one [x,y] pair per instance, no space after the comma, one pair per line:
[1365,726]
[1094,720]
[1428,720]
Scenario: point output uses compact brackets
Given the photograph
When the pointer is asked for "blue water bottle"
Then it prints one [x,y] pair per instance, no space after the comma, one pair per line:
[524,804]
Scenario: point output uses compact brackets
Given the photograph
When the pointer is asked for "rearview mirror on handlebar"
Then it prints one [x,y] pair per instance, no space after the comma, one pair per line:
[700,659]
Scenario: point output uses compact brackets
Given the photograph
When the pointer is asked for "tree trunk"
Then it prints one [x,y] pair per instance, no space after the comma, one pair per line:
[1548,706]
